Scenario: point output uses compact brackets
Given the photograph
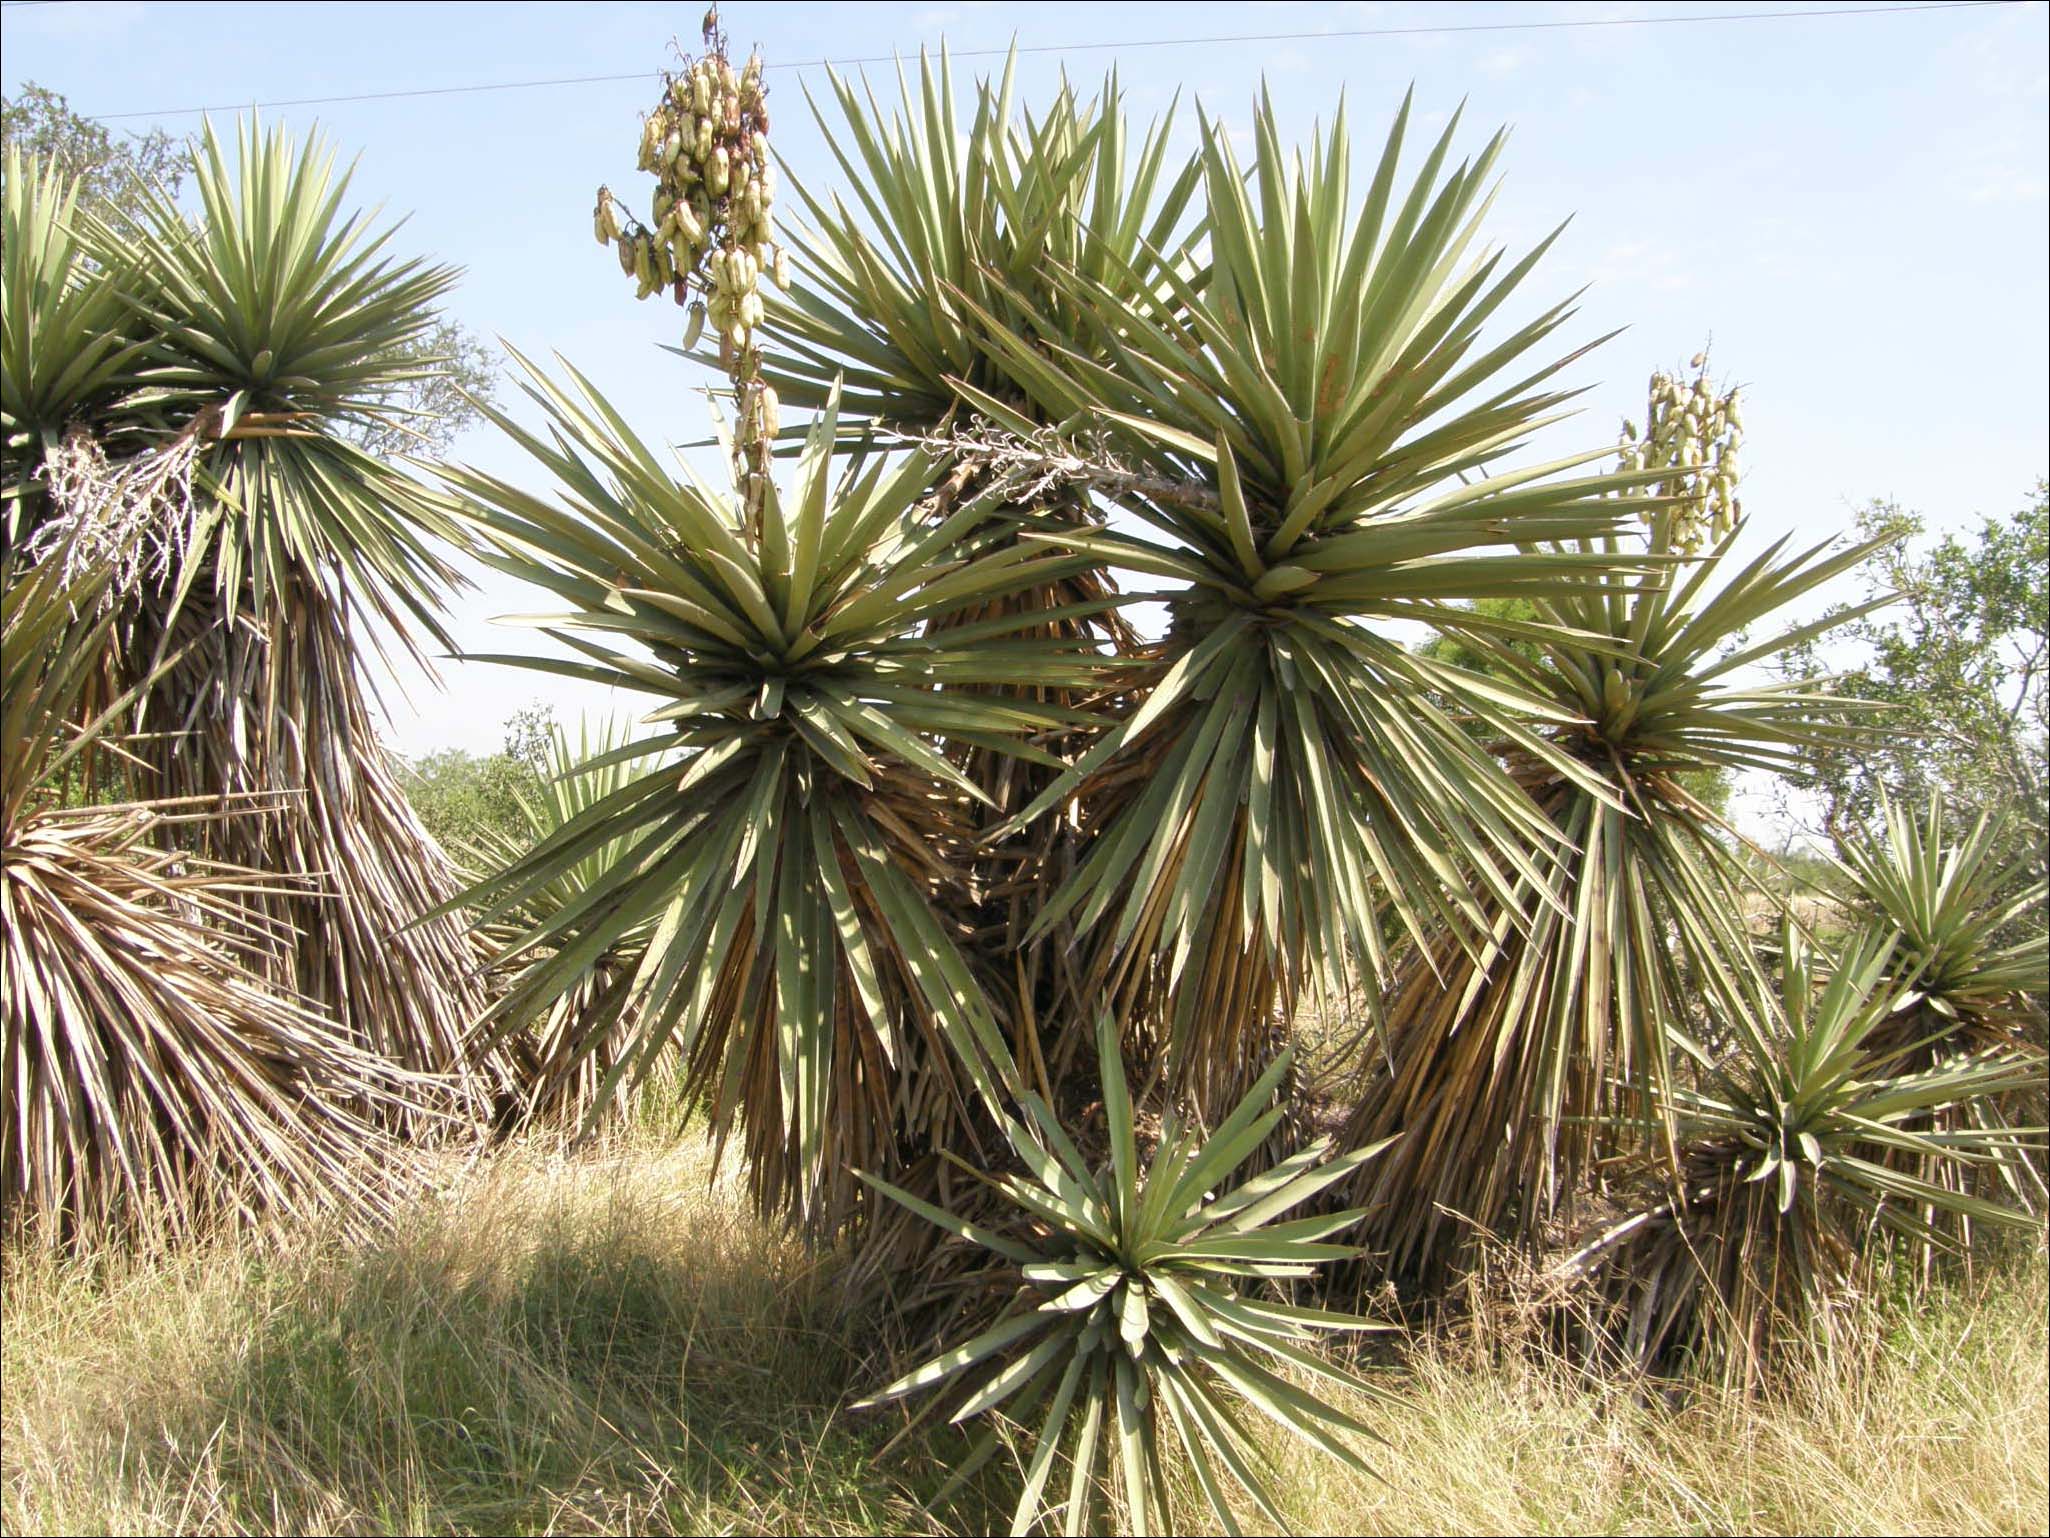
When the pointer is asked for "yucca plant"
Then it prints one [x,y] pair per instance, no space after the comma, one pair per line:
[1300,430]
[1970,957]
[151,1077]
[1136,1286]
[891,301]
[1973,980]
[797,876]
[564,1056]
[1508,1067]
[895,296]
[269,330]
[1793,1154]
[65,336]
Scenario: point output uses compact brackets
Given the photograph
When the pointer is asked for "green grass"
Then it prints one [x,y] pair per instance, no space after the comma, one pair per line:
[611,1344]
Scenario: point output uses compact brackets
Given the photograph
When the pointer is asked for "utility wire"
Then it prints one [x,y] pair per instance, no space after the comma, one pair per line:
[1152,42]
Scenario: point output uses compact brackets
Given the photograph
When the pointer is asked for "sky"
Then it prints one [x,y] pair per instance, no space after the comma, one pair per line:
[1851,208]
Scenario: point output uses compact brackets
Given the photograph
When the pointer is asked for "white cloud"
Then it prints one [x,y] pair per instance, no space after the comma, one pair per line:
[1501,62]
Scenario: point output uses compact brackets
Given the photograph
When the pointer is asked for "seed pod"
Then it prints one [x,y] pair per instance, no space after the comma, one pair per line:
[783,269]
[758,147]
[702,145]
[772,414]
[700,90]
[693,327]
[716,171]
[737,335]
[627,247]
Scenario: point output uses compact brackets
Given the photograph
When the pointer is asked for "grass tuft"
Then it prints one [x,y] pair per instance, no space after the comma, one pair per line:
[613,1343]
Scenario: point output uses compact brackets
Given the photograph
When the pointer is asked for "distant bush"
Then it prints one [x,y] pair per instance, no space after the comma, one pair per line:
[463,797]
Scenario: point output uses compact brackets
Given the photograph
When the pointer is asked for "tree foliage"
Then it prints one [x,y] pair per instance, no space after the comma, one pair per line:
[112,174]
[1961,660]
[465,799]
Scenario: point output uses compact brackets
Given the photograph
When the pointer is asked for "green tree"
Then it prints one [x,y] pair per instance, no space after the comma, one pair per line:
[112,174]
[466,798]
[1961,660]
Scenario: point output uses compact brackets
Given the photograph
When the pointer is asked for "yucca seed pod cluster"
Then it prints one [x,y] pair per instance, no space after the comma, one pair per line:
[1695,433]
[711,237]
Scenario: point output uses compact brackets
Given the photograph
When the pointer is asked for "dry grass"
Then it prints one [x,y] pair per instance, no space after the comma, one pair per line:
[1947,1431]
[611,1344]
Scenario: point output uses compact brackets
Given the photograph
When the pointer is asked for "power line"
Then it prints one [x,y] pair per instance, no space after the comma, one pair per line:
[1154,42]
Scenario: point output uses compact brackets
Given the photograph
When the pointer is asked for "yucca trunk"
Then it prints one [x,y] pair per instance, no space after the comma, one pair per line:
[152,1077]
[1501,1112]
[1040,983]
[156,1080]
[268,707]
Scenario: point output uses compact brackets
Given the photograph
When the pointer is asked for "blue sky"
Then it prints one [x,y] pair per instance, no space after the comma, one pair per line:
[1853,208]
